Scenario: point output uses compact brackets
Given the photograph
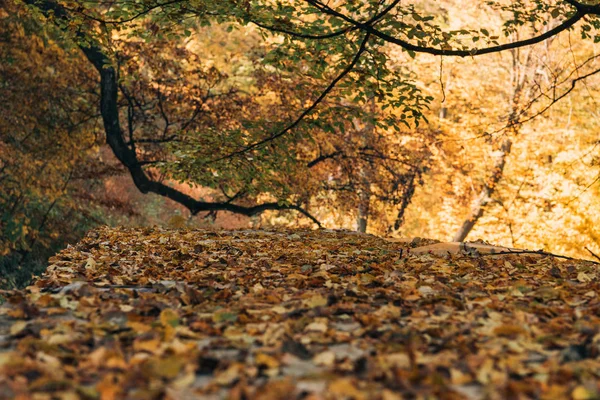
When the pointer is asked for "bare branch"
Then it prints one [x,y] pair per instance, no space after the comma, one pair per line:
[538,252]
[329,35]
[593,254]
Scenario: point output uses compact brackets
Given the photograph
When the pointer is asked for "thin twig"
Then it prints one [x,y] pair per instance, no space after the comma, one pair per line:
[307,111]
[593,254]
[538,252]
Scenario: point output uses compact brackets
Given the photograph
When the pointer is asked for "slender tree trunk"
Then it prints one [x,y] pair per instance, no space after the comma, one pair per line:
[486,193]
[364,202]
[409,191]
[364,176]
[518,80]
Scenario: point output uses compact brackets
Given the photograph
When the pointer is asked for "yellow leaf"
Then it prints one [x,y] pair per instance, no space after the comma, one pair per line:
[279,310]
[459,378]
[97,356]
[317,326]
[169,333]
[267,360]
[109,388]
[366,279]
[581,393]
[66,303]
[169,317]
[224,316]
[18,327]
[184,381]
[51,361]
[316,301]
[258,288]
[60,338]
[90,263]
[138,327]
[229,376]
[344,388]
[150,346]
[115,361]
[398,360]
[583,277]
[326,358]
[7,358]
[169,367]
[389,395]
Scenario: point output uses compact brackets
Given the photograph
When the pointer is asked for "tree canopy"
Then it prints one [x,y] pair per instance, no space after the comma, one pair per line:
[339,47]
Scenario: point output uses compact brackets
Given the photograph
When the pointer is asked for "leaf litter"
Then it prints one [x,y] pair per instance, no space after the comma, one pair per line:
[183,314]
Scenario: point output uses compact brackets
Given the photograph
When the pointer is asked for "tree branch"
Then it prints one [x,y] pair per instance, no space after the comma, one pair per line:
[538,252]
[329,35]
[323,157]
[301,35]
[581,11]
[109,110]
[133,17]
[592,253]
[307,111]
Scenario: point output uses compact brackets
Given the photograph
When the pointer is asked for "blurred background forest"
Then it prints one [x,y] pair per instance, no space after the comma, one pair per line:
[501,147]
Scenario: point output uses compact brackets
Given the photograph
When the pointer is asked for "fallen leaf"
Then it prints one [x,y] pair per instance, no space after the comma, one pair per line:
[18,327]
[169,317]
[345,388]
[316,301]
[326,358]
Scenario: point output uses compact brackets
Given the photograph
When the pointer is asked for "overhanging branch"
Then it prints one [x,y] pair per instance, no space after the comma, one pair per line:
[109,110]
[581,11]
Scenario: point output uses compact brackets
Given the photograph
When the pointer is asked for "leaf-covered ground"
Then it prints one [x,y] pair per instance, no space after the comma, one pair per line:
[153,313]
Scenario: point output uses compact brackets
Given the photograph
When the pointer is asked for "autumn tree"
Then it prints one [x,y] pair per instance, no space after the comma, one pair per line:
[550,167]
[46,137]
[249,150]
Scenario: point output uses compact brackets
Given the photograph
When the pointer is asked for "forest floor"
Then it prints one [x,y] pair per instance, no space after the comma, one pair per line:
[184,314]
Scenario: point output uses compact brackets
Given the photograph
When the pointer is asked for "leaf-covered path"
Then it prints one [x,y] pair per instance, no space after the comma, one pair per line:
[153,313]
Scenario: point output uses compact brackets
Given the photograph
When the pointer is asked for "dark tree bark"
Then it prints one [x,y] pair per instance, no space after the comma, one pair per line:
[364,202]
[409,191]
[114,138]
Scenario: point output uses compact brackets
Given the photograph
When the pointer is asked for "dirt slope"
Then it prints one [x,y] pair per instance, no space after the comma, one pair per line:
[153,313]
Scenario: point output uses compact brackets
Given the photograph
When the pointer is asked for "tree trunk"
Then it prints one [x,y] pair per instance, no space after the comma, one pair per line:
[364,174]
[519,80]
[409,191]
[486,193]
[364,199]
